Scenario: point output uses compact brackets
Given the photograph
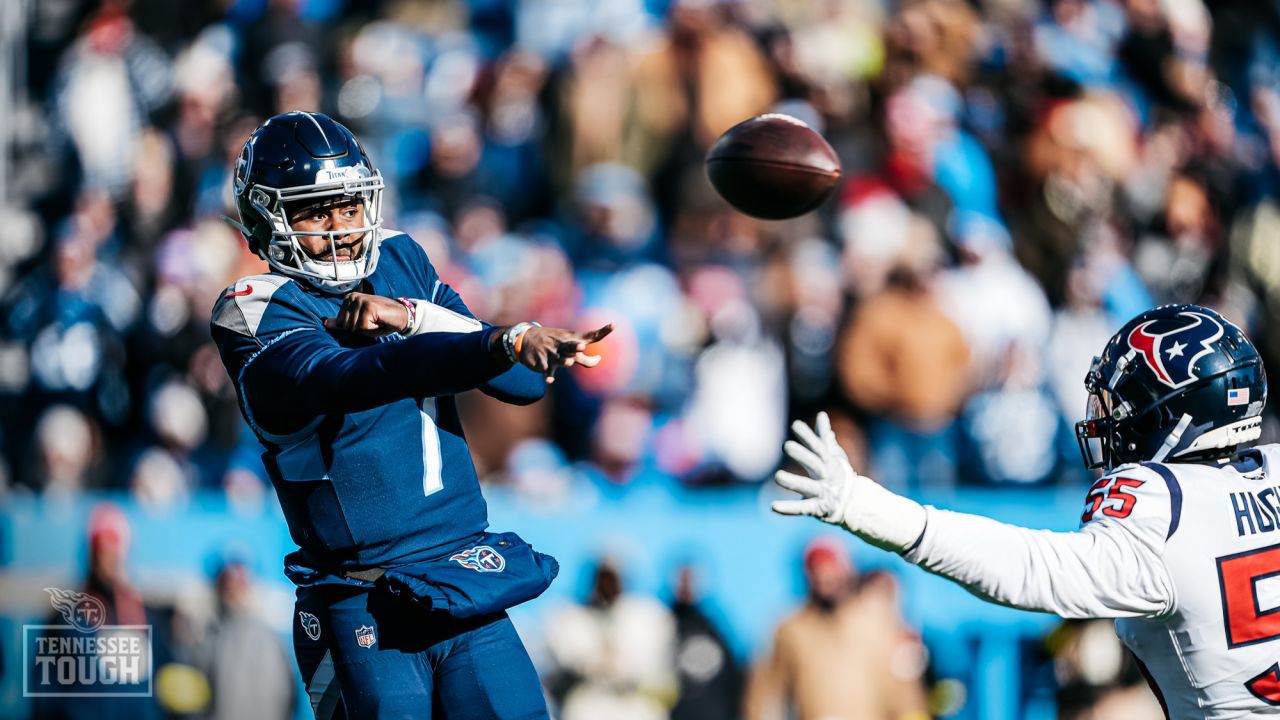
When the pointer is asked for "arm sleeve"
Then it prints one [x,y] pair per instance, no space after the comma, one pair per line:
[305,373]
[518,385]
[1112,567]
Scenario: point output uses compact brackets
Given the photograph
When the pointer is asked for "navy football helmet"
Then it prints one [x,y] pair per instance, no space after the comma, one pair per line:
[300,156]
[1179,381]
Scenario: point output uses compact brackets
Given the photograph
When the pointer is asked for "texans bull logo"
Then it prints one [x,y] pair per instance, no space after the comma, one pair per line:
[1172,345]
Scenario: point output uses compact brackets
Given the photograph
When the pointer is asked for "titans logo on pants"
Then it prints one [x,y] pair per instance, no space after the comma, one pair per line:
[310,625]
[1171,346]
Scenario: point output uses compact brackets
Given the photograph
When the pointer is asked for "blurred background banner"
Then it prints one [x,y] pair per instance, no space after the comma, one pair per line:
[1020,177]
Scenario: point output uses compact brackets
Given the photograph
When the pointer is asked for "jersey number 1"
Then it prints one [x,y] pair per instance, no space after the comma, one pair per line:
[432,481]
[1245,621]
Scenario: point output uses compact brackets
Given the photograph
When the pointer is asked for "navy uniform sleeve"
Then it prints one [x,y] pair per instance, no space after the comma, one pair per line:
[288,370]
[518,385]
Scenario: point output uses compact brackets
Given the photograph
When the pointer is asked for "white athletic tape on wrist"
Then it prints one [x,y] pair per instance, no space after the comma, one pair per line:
[432,318]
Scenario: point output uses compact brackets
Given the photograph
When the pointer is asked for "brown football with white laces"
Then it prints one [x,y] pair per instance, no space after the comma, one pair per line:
[773,167]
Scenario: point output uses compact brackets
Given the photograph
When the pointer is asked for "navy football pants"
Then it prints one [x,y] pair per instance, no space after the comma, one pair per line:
[366,654]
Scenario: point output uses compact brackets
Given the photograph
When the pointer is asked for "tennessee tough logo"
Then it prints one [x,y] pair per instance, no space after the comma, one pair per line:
[1171,346]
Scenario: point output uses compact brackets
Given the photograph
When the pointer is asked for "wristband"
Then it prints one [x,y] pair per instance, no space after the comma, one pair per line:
[412,307]
[511,340]
[520,335]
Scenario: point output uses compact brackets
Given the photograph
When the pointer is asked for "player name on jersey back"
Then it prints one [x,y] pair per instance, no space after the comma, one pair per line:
[1215,656]
[1256,511]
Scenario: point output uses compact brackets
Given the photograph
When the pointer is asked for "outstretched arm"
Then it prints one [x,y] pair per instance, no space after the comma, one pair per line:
[525,381]
[305,373]
[1111,568]
[1097,572]
[519,385]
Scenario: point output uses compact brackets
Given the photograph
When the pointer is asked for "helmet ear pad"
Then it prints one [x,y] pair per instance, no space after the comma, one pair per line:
[1150,422]
[1140,438]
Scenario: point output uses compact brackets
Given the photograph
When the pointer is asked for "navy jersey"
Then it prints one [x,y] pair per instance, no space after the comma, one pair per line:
[362,438]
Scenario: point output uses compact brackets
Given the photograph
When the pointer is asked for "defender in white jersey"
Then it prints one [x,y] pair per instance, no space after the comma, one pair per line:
[1179,540]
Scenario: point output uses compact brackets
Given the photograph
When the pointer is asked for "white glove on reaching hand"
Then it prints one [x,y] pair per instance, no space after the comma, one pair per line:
[834,493]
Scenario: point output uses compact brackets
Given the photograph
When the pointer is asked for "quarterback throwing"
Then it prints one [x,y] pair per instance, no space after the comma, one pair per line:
[1179,540]
[346,357]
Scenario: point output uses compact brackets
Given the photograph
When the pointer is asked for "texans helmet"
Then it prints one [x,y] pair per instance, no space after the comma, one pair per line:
[1179,381]
[300,156]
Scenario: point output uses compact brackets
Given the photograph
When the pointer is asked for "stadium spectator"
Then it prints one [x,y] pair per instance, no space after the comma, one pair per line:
[846,653]
[1078,326]
[739,382]
[111,78]
[614,655]
[165,475]
[938,37]
[106,581]
[1010,421]
[711,681]
[902,360]
[1098,678]
[69,449]
[248,668]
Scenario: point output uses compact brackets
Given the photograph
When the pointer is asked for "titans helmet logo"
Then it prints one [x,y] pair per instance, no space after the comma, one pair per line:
[1172,345]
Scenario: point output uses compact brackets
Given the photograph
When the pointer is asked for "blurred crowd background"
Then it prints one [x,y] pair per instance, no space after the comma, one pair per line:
[1021,176]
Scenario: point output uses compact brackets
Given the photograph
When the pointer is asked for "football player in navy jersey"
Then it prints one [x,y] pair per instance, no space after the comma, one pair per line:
[346,357]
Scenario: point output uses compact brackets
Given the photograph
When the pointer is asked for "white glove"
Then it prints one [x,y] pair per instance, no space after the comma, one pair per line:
[834,493]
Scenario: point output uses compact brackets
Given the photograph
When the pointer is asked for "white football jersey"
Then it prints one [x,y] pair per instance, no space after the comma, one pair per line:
[1185,556]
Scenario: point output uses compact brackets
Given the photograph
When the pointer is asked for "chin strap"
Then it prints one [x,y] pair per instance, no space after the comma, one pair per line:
[237,225]
[1171,440]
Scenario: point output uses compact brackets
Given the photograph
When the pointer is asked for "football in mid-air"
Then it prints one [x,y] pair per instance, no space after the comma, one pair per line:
[773,167]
